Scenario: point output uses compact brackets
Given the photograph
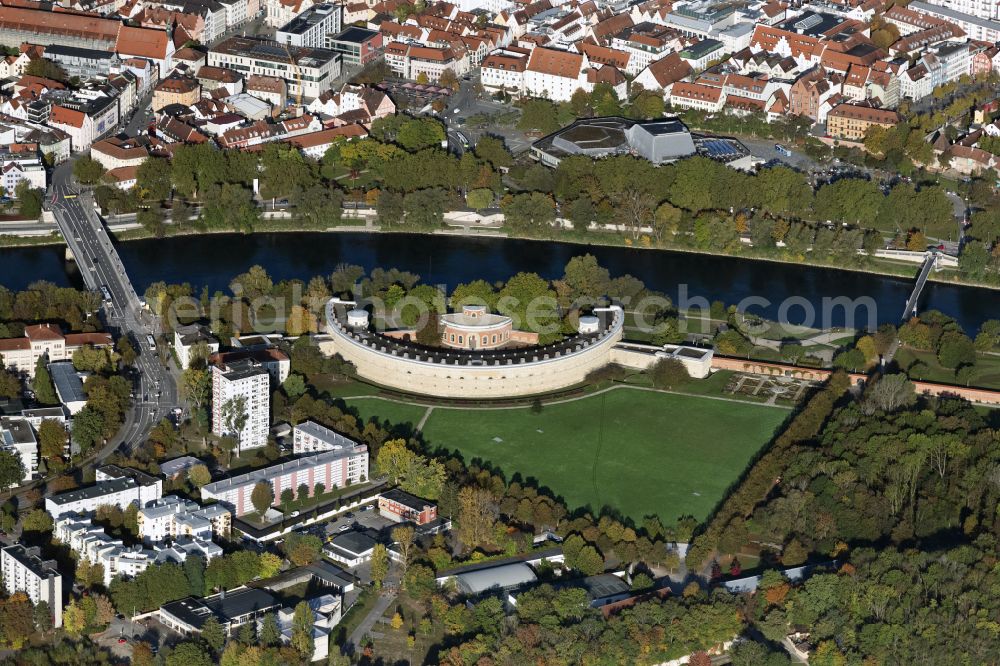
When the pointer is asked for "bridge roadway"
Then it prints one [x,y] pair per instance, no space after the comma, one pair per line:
[155,388]
[925,270]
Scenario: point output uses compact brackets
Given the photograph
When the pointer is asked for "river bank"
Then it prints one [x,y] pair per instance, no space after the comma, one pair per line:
[589,238]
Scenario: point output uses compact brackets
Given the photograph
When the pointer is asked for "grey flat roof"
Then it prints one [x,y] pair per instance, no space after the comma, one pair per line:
[354,34]
[30,558]
[240,602]
[406,499]
[267,473]
[353,543]
[19,430]
[69,386]
[101,489]
[76,52]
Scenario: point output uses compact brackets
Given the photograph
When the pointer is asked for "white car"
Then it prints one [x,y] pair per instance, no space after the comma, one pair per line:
[344,528]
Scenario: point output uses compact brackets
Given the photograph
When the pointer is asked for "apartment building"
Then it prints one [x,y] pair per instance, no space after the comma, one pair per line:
[250,382]
[90,542]
[338,468]
[697,96]
[311,437]
[311,27]
[172,517]
[23,570]
[852,121]
[116,486]
[15,167]
[307,71]
[22,354]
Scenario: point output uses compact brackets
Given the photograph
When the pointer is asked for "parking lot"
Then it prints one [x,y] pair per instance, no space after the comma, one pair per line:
[358,518]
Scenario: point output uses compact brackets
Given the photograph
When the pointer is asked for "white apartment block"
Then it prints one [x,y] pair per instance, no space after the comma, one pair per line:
[171,517]
[18,437]
[115,486]
[91,543]
[311,27]
[311,437]
[247,380]
[334,469]
[23,570]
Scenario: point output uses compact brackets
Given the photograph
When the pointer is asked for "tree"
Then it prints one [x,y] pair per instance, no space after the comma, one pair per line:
[302,630]
[270,565]
[669,373]
[403,536]
[51,443]
[153,180]
[46,69]
[212,633]
[287,497]
[199,475]
[11,469]
[74,619]
[37,520]
[480,198]
[262,497]
[196,386]
[42,616]
[294,386]
[45,392]
[29,200]
[477,514]
[235,417]
[379,565]
[87,170]
[956,349]
[10,385]
[88,427]
[270,635]
[189,653]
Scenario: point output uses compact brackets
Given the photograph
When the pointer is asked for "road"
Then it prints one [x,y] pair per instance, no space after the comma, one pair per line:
[100,266]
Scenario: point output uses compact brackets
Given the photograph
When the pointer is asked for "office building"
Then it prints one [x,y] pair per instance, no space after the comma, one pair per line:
[69,386]
[356,46]
[311,27]
[23,570]
[307,71]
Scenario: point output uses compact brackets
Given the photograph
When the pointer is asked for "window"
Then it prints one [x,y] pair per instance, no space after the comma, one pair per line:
[460,339]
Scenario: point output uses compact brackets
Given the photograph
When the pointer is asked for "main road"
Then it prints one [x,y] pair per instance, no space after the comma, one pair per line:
[155,387]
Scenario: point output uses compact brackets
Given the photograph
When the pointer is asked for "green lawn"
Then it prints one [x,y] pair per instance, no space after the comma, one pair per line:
[384,409]
[639,452]
[986,370]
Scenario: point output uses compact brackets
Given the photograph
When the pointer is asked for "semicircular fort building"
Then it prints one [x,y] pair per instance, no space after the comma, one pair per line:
[483,356]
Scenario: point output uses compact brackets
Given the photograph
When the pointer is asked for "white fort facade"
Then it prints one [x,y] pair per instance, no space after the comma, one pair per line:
[491,373]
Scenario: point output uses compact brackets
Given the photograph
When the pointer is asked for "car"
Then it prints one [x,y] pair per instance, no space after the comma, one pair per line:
[348,515]
[344,528]
[122,641]
[368,507]
[294,514]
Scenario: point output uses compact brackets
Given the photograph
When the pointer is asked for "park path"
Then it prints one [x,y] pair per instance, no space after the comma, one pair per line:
[561,401]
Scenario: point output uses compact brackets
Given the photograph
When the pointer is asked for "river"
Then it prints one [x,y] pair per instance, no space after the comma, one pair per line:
[211,261]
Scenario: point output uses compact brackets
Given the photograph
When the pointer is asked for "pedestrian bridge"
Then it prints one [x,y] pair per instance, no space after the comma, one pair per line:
[930,261]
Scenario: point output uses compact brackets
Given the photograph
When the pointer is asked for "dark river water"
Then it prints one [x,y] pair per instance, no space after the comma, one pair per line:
[796,292]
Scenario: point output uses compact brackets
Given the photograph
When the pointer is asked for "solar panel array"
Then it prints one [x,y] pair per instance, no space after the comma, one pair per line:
[718,148]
